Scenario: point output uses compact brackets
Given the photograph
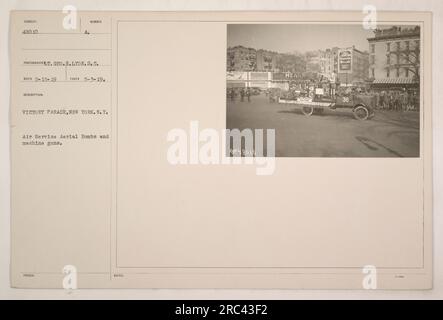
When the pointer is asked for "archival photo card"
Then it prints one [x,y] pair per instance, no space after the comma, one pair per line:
[328,90]
[120,126]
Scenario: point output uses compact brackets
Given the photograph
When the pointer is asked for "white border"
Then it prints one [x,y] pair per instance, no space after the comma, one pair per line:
[436,6]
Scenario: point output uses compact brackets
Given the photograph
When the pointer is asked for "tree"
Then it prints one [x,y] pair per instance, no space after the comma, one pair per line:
[411,60]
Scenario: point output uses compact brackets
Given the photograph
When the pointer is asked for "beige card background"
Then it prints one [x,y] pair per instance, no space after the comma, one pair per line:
[125,217]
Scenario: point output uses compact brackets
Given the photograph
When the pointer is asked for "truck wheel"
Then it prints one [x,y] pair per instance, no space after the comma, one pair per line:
[307,110]
[361,113]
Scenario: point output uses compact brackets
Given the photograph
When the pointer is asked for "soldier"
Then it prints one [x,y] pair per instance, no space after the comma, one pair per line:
[248,94]
[416,102]
[271,96]
[391,100]
[377,99]
[242,95]
[385,100]
[410,102]
[381,100]
[398,101]
[404,101]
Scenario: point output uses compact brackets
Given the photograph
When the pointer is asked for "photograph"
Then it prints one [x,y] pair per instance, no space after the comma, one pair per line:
[221,163]
[328,90]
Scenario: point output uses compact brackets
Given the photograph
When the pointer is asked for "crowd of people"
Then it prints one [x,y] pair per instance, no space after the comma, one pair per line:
[243,93]
[397,100]
[393,100]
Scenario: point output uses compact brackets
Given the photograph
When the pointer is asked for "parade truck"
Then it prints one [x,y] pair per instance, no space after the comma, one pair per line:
[361,105]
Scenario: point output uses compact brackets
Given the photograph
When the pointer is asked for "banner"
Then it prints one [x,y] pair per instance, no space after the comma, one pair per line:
[237,75]
[345,60]
[258,75]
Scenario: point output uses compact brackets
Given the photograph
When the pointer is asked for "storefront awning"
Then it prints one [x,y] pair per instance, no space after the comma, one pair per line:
[396,81]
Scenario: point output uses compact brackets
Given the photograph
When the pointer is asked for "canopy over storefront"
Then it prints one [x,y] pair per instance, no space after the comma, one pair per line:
[388,83]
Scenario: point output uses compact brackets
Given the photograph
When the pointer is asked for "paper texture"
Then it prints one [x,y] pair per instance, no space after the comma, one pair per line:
[96,109]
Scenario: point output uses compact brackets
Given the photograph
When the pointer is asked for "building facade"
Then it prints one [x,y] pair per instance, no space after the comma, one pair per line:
[394,55]
[347,66]
[240,58]
[266,60]
[329,63]
[352,66]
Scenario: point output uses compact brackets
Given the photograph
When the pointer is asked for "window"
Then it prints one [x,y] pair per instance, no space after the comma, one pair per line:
[398,45]
[372,73]
[388,59]
[406,72]
[407,45]
[372,48]
[372,59]
[387,73]
[397,73]
[388,46]
[405,58]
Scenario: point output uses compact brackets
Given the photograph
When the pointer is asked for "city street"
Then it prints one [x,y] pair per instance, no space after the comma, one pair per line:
[335,133]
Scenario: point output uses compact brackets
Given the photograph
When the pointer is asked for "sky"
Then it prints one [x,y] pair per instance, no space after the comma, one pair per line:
[285,38]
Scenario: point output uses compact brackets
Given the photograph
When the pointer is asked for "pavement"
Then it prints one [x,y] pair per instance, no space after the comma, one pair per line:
[335,133]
